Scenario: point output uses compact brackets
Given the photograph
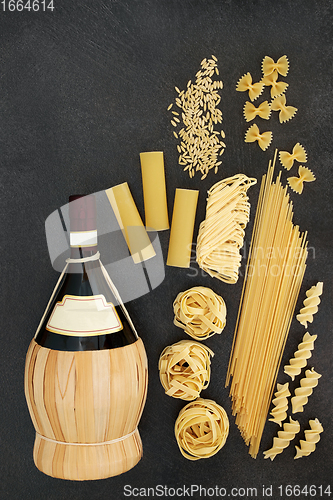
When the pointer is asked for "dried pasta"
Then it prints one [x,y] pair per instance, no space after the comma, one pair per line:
[280,402]
[184,369]
[302,393]
[281,65]
[277,87]
[301,356]
[286,112]
[200,144]
[274,274]
[221,234]
[250,111]
[312,437]
[311,304]
[290,429]
[200,312]
[201,429]
[287,159]
[245,84]
[297,183]
[253,134]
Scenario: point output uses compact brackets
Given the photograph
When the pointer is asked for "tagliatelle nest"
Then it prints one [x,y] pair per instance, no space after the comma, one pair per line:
[200,312]
[201,429]
[184,369]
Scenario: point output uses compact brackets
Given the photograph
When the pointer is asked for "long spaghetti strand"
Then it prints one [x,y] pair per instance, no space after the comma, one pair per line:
[272,282]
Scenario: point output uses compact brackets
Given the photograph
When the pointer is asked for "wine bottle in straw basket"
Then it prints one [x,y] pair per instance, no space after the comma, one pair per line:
[86,368]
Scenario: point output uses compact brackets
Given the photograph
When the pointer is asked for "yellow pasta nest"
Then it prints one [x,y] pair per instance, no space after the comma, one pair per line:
[184,369]
[312,437]
[201,429]
[221,234]
[290,429]
[280,402]
[301,356]
[302,393]
[310,304]
[200,312]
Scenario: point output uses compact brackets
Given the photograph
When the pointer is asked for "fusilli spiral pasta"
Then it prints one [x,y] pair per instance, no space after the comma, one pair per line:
[310,304]
[200,312]
[290,429]
[280,402]
[221,234]
[301,356]
[201,429]
[302,393]
[184,369]
[312,437]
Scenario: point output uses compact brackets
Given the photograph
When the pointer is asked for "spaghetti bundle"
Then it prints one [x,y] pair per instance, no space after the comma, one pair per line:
[221,234]
[273,278]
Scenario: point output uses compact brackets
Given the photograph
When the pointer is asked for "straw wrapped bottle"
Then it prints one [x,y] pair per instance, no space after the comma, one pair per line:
[86,368]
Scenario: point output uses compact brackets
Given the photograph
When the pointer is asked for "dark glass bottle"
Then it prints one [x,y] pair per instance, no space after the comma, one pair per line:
[84,298]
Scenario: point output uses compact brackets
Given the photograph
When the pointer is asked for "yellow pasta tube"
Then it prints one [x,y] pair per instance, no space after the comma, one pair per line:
[311,303]
[280,402]
[154,190]
[184,369]
[130,222]
[201,429]
[302,393]
[312,437]
[182,226]
[200,312]
[301,356]
[284,437]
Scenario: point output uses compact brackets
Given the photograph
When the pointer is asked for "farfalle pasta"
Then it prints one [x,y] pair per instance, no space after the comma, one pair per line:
[253,134]
[277,87]
[290,429]
[251,111]
[280,402]
[201,429]
[221,234]
[200,312]
[311,304]
[298,154]
[312,437]
[304,175]
[184,369]
[301,356]
[302,393]
[245,84]
[280,66]
[279,103]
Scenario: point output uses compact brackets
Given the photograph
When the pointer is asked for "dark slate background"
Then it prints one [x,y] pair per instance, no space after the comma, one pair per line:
[83,91]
